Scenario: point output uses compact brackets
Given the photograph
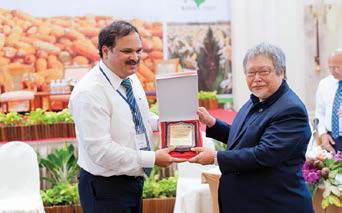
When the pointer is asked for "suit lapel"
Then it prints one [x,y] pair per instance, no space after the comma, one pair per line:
[243,130]
[240,122]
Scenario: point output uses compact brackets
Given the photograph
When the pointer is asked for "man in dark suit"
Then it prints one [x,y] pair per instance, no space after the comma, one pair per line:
[266,143]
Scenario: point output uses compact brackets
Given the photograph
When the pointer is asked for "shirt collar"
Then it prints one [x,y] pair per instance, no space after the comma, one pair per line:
[115,80]
[275,96]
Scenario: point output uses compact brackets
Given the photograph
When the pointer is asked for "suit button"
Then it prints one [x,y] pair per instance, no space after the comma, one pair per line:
[260,110]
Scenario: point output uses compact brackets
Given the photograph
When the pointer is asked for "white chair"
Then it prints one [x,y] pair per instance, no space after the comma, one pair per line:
[19,179]
[193,196]
[23,98]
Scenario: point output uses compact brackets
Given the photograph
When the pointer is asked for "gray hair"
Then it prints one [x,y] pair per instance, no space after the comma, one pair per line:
[274,53]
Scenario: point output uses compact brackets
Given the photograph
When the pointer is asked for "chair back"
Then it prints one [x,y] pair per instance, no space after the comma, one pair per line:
[19,170]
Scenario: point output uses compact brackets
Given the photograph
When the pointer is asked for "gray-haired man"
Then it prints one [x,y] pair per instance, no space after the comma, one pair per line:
[266,144]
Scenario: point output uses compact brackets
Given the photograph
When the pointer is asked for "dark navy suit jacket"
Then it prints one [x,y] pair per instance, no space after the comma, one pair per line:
[266,145]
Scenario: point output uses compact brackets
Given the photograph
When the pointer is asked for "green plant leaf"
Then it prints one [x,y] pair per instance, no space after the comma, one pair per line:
[328,162]
[36,116]
[154,109]
[335,201]
[61,164]
[61,194]
[155,188]
[12,119]
[325,203]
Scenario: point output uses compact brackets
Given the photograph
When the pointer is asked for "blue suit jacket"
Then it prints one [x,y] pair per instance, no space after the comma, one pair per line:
[266,145]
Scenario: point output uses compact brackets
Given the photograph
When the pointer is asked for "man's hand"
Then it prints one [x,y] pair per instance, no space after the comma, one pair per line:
[205,156]
[205,117]
[327,142]
[164,159]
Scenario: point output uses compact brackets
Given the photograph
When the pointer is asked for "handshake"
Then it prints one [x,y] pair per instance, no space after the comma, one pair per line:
[204,155]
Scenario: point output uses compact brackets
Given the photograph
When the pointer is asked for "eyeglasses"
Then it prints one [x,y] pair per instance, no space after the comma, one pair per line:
[261,72]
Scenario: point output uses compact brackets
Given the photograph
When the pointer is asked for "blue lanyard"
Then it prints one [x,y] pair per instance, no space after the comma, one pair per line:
[122,96]
[133,108]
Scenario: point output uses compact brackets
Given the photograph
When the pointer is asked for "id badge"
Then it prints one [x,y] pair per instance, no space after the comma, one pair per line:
[140,140]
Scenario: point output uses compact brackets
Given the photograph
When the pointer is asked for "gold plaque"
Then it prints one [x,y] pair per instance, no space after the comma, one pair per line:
[181,135]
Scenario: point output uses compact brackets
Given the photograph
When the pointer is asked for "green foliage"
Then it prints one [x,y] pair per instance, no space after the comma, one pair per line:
[65,116]
[11,119]
[312,189]
[328,162]
[154,109]
[150,187]
[167,187]
[336,165]
[331,199]
[50,118]
[57,117]
[219,146]
[62,165]
[61,194]
[206,95]
[38,116]
[2,118]
[155,188]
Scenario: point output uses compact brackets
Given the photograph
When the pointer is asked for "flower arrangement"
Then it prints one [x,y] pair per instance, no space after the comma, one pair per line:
[324,170]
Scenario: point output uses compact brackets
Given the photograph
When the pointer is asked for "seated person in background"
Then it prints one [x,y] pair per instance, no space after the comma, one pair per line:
[328,105]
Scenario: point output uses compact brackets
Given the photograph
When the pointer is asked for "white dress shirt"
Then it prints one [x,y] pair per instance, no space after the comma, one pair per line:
[105,130]
[324,102]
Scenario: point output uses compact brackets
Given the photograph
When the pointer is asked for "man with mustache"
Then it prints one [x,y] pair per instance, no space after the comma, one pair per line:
[266,143]
[114,126]
[328,105]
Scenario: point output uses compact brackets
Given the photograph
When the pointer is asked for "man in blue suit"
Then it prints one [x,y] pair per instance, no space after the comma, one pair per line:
[266,143]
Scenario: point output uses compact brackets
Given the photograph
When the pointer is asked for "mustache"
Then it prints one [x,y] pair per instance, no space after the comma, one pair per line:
[132,62]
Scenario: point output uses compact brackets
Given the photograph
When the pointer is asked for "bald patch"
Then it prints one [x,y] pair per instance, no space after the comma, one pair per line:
[337,52]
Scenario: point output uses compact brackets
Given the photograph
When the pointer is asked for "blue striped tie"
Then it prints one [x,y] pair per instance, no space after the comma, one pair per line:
[335,128]
[137,118]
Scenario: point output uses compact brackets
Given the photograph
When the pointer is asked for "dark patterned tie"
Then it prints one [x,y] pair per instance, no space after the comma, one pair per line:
[335,128]
[137,118]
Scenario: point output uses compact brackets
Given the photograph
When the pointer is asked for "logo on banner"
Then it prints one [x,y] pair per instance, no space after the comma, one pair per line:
[199,2]
[189,5]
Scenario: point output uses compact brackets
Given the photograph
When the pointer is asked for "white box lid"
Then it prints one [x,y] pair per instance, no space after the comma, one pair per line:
[177,96]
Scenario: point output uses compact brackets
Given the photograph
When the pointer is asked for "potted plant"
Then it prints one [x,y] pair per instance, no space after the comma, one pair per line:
[322,172]
[58,124]
[208,99]
[159,195]
[35,125]
[61,164]
[62,196]
[12,126]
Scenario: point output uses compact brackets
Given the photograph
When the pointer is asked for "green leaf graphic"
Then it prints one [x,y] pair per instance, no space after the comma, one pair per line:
[199,2]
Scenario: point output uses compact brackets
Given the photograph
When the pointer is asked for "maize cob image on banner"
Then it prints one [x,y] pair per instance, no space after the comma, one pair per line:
[36,50]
